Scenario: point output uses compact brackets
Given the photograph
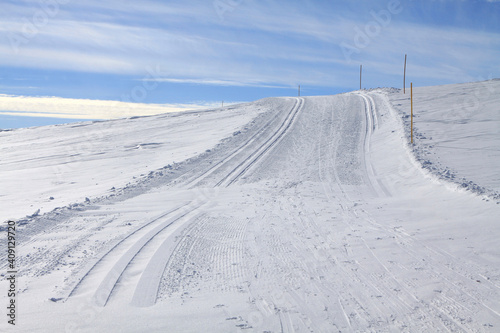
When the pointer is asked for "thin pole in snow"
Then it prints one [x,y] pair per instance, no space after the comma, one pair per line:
[360,75]
[404,78]
[411,97]
[222,103]
[299,90]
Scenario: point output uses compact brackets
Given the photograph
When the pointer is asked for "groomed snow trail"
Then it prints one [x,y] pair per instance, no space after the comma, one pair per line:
[315,219]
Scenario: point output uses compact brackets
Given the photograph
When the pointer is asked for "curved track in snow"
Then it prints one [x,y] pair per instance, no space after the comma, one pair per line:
[121,256]
[316,219]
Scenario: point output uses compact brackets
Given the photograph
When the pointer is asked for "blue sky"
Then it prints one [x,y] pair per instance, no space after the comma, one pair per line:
[201,52]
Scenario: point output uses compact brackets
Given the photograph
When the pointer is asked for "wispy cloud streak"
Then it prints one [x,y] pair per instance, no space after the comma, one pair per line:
[268,44]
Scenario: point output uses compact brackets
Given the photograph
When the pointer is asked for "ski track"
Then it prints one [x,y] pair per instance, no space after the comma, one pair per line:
[112,278]
[255,139]
[198,177]
[280,224]
[131,246]
[133,242]
[244,166]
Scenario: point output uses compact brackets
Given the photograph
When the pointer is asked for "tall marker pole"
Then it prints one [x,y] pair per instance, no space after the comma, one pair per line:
[360,75]
[299,90]
[411,97]
[404,78]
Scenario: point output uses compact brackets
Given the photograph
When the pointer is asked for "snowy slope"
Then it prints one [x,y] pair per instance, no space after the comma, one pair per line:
[457,131]
[71,162]
[314,216]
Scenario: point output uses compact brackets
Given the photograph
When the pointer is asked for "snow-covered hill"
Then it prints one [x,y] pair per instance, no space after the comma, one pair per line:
[283,215]
[43,168]
[457,131]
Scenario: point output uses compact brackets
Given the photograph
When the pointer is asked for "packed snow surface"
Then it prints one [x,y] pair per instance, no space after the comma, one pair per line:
[307,214]
[457,132]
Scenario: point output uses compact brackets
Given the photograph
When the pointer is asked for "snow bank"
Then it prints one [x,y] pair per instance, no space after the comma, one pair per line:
[457,132]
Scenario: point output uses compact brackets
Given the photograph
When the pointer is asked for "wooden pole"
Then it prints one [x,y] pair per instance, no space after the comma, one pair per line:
[404,78]
[411,85]
[360,75]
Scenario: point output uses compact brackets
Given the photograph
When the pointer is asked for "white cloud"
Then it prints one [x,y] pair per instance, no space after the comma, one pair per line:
[85,109]
[227,83]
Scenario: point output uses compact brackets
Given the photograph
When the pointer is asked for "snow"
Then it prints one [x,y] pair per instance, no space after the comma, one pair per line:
[283,215]
[458,127]
[75,161]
